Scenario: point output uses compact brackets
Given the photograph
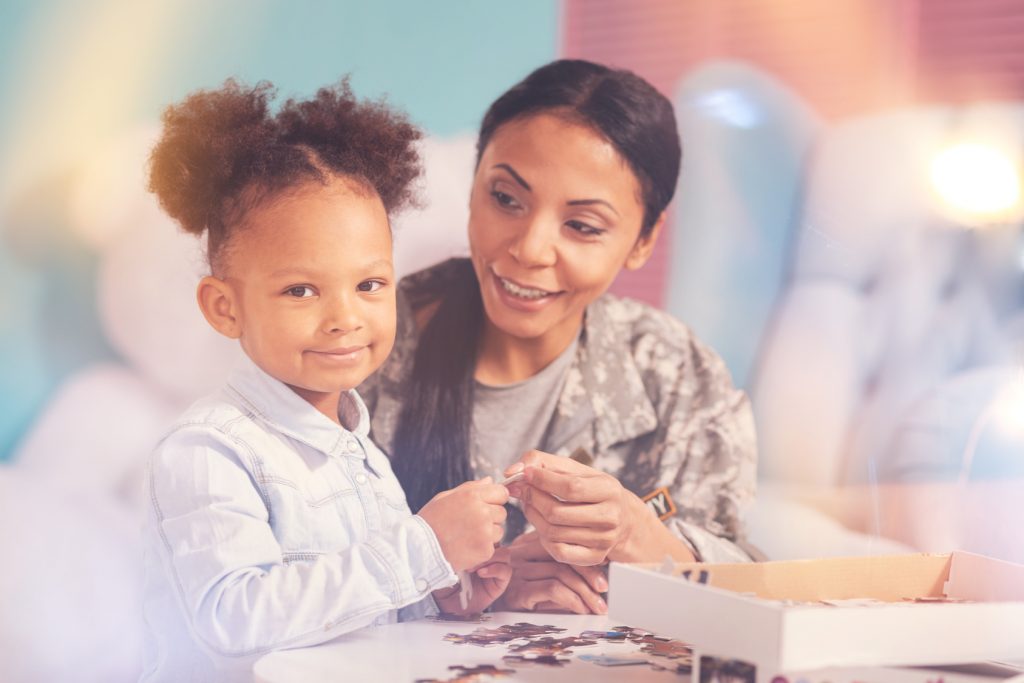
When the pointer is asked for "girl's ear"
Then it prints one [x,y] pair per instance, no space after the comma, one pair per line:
[219,306]
[644,245]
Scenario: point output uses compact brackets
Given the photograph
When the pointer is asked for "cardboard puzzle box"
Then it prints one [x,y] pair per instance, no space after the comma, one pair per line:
[808,615]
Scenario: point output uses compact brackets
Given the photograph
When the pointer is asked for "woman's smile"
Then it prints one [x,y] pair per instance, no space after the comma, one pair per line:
[520,296]
[554,216]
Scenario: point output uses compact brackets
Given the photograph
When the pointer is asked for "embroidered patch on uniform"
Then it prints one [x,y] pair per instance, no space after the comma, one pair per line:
[661,502]
[581,456]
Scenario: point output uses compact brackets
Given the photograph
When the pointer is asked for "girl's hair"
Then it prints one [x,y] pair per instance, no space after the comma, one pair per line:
[223,152]
[432,440]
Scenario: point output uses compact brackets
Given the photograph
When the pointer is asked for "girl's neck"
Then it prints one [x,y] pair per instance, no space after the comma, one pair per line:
[326,403]
[504,359]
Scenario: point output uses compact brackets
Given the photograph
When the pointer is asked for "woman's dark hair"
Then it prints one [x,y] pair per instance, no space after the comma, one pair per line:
[222,153]
[432,440]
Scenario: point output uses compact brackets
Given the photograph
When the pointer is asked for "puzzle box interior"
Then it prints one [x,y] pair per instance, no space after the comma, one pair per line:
[792,616]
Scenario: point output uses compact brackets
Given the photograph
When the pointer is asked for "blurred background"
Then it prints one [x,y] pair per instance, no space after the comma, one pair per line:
[846,233]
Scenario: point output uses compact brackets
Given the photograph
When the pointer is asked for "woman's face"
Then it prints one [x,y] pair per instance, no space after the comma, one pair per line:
[555,214]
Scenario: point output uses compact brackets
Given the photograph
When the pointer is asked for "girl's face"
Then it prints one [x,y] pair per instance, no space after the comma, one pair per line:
[311,283]
[555,214]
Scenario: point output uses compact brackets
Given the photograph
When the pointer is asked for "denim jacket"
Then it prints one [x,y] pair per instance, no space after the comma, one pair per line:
[269,527]
[644,397]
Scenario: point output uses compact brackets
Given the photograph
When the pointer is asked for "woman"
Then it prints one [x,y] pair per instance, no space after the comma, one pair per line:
[518,350]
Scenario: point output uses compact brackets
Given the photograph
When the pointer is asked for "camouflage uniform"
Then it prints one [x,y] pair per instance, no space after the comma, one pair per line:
[650,403]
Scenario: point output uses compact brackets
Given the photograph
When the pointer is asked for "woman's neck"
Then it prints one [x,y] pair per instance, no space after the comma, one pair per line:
[504,359]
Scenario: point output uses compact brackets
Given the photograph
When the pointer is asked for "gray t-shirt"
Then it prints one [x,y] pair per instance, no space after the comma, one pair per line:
[510,419]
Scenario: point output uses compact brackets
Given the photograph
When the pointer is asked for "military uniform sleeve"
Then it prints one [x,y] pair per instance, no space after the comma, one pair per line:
[708,454]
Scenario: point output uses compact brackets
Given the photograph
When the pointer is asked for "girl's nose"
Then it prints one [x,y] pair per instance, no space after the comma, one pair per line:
[341,317]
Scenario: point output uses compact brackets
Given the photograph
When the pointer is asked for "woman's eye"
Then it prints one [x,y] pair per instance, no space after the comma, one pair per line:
[301,291]
[585,229]
[504,199]
[370,286]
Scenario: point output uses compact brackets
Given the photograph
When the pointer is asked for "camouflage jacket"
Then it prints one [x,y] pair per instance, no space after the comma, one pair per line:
[652,405]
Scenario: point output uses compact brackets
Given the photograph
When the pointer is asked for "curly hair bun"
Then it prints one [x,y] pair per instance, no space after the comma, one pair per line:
[217,144]
[211,145]
[367,140]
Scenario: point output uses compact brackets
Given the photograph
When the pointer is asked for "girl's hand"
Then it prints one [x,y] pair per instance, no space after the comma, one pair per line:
[542,584]
[585,517]
[489,582]
[468,521]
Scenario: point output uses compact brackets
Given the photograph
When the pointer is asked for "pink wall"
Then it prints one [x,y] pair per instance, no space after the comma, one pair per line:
[847,57]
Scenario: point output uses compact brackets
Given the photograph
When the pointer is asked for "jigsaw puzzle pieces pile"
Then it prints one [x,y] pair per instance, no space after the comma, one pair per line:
[532,645]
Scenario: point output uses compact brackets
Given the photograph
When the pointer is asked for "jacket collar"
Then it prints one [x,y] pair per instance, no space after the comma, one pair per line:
[603,394]
[279,406]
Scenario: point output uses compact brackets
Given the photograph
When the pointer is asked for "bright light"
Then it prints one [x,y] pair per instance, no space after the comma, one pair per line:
[1008,409]
[979,182]
[733,107]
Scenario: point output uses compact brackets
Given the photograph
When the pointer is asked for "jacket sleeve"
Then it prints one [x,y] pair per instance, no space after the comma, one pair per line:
[708,454]
[239,593]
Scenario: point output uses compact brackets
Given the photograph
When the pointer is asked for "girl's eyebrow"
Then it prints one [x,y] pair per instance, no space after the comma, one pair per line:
[379,263]
[297,272]
[512,172]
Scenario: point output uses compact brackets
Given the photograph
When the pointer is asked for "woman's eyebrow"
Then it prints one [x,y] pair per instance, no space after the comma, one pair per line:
[585,202]
[512,172]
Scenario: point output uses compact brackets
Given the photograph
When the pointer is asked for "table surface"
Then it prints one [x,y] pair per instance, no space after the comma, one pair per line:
[416,650]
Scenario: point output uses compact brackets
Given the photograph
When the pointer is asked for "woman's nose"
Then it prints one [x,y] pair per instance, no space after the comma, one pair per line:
[534,246]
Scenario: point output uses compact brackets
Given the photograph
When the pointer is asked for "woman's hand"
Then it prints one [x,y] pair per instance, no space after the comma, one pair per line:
[539,583]
[586,517]
[489,581]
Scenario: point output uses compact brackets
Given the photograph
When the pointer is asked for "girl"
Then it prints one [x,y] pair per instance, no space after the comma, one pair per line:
[275,521]
[519,348]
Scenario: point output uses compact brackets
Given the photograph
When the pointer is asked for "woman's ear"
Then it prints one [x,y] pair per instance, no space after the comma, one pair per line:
[644,245]
[219,306]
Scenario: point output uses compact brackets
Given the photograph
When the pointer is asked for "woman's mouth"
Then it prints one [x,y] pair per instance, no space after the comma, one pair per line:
[522,292]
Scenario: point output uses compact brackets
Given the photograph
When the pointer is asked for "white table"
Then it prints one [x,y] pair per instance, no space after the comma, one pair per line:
[415,650]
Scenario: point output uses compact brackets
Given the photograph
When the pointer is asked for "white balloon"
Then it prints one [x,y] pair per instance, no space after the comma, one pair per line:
[94,436]
[146,292]
[437,231]
[69,584]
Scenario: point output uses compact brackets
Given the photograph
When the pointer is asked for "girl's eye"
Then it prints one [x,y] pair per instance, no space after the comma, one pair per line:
[585,229]
[370,286]
[504,199]
[301,291]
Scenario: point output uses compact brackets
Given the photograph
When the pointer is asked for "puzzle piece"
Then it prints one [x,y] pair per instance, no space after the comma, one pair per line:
[474,618]
[677,667]
[471,674]
[503,634]
[663,647]
[550,646]
[544,660]
[609,636]
[615,660]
